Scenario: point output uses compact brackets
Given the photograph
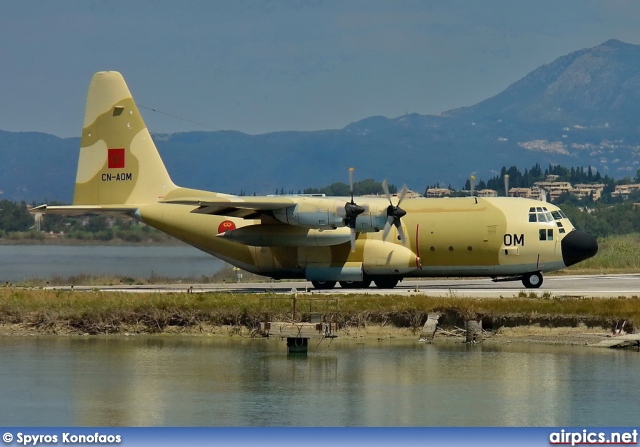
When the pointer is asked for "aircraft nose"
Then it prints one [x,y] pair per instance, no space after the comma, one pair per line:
[578,246]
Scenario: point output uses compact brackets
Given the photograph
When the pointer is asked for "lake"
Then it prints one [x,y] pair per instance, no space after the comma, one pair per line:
[21,262]
[229,381]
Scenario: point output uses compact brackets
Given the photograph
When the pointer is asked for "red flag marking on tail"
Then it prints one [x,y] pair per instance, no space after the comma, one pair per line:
[116,158]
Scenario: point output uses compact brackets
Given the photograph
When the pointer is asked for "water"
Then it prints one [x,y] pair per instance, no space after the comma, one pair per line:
[218,381]
[21,262]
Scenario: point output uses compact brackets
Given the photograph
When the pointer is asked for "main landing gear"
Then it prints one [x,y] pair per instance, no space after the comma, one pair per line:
[355,284]
[323,285]
[529,280]
[381,283]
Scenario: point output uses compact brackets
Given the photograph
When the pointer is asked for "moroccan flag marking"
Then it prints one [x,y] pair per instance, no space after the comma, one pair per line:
[227,225]
[116,158]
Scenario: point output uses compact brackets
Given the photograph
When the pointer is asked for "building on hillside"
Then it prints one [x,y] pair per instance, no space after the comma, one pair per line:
[438,192]
[588,190]
[624,190]
[554,189]
[527,193]
[487,193]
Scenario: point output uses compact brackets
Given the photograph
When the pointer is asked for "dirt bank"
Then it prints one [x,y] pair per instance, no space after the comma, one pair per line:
[581,335]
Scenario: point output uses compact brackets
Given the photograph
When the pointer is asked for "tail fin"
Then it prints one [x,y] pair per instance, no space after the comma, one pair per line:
[119,163]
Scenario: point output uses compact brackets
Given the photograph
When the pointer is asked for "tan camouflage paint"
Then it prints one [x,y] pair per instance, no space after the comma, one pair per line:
[444,237]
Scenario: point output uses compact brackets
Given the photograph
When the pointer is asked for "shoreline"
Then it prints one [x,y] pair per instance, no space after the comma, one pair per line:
[529,334]
[533,319]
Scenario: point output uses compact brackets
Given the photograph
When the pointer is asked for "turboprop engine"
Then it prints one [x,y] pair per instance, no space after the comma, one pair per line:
[327,214]
[322,213]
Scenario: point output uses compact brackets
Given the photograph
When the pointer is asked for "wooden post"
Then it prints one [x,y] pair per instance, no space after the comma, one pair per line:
[474,330]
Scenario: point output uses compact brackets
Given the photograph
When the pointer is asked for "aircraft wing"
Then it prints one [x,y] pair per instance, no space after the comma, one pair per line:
[235,206]
[79,210]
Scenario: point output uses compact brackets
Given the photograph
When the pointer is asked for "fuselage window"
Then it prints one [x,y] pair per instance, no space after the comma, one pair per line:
[546,234]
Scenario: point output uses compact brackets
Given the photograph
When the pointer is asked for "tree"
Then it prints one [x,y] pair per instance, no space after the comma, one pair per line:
[14,216]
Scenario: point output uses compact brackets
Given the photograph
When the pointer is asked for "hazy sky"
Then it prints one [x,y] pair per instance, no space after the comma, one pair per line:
[262,66]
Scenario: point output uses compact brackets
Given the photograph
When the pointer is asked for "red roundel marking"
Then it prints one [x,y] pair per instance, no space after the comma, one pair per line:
[227,225]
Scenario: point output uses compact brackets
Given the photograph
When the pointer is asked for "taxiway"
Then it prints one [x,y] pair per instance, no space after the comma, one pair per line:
[573,286]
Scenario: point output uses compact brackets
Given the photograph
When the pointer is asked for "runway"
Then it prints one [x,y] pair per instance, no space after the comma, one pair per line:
[572,286]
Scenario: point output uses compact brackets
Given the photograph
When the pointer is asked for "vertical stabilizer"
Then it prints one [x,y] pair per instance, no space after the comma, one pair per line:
[119,163]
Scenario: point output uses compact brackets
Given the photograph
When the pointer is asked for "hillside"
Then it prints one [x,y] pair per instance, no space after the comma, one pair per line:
[577,110]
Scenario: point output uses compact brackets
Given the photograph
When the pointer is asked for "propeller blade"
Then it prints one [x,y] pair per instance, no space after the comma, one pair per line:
[403,192]
[386,229]
[385,188]
[353,240]
[351,183]
[398,225]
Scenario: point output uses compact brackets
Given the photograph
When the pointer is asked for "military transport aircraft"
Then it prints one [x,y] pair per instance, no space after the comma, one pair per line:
[353,241]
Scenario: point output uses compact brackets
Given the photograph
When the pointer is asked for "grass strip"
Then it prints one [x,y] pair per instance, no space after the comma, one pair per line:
[78,312]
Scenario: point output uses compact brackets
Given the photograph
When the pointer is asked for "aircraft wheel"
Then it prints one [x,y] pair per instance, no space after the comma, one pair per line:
[323,284]
[386,283]
[355,284]
[532,280]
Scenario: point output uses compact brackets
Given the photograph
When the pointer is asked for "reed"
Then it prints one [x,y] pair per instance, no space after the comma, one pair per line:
[63,311]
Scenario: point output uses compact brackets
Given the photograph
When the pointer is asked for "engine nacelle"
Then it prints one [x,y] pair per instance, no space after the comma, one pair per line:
[386,258]
[310,215]
[329,214]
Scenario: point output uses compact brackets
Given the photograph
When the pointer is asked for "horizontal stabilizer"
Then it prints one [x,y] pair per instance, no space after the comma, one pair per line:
[79,210]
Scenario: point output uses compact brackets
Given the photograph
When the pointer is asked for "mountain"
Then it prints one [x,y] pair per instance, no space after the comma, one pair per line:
[581,109]
[595,87]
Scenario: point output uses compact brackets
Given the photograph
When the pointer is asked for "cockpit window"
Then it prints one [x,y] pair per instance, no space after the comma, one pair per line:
[541,214]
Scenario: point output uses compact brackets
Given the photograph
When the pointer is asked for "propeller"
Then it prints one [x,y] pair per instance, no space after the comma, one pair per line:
[351,212]
[506,185]
[394,213]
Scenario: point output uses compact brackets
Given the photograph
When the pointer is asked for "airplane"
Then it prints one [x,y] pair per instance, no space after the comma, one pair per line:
[326,240]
